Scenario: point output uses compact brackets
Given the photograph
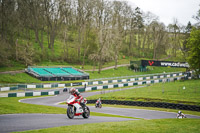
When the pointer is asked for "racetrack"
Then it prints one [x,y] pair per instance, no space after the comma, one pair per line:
[21,122]
[138,113]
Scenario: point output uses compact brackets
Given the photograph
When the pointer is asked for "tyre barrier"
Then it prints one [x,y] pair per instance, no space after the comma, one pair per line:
[150,104]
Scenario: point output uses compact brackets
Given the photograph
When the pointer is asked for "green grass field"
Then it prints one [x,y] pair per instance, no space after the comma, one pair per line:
[124,71]
[138,126]
[150,108]
[11,105]
[25,78]
[13,67]
[162,92]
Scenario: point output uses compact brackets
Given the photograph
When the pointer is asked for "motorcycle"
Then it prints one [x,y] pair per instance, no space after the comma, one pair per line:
[98,104]
[181,116]
[76,109]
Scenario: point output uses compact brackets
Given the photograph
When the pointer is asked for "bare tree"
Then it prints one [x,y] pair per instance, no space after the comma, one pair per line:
[25,53]
[54,15]
[148,18]
[102,18]
[94,59]
[174,29]
[158,36]
[197,18]
[118,24]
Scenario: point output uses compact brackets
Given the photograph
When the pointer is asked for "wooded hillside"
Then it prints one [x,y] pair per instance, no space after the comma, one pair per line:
[84,31]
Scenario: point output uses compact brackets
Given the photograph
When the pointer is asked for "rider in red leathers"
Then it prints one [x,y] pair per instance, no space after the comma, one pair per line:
[98,103]
[76,93]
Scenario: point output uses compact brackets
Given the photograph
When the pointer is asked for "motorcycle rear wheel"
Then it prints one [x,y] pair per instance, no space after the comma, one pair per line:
[86,112]
[70,112]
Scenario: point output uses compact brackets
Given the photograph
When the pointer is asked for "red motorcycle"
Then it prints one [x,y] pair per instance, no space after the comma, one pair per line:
[98,104]
[77,107]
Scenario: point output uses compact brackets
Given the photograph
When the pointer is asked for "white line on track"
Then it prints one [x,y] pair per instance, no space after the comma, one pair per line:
[36,98]
[59,102]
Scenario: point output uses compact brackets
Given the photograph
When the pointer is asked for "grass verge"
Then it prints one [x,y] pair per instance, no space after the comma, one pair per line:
[124,71]
[140,126]
[25,78]
[187,92]
[150,108]
[30,89]
[11,105]
[110,115]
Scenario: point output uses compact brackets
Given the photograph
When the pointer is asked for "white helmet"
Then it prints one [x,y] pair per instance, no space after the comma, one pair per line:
[72,91]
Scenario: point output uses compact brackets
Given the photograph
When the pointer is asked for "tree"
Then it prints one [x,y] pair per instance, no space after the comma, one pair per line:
[25,53]
[175,31]
[188,27]
[102,18]
[139,25]
[158,38]
[149,18]
[117,28]
[136,29]
[184,38]
[94,59]
[102,28]
[193,45]
[5,53]
[197,18]
[54,15]
[36,14]
[7,19]
[87,38]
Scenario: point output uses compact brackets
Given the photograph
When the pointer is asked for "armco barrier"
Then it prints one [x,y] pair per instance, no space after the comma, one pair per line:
[128,84]
[148,76]
[83,89]
[26,94]
[150,104]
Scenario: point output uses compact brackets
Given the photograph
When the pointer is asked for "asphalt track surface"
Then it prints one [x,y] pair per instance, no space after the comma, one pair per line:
[22,122]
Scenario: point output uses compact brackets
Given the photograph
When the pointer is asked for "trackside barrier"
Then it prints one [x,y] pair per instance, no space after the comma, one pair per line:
[82,89]
[145,77]
[26,94]
[150,104]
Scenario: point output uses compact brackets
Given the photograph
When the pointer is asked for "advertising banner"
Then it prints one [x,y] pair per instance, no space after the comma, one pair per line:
[164,63]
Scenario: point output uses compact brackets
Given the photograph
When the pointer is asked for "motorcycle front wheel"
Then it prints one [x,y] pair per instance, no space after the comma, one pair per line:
[70,112]
[86,112]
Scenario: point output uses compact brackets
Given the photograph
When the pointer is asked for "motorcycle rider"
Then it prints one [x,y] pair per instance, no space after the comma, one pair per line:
[180,114]
[98,102]
[76,93]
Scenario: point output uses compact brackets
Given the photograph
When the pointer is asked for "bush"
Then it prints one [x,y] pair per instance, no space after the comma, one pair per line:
[5,53]
[131,67]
